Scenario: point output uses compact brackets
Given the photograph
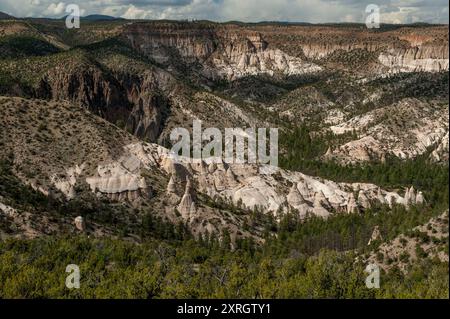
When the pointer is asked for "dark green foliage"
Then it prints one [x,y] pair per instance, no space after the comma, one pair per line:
[345,232]
[21,46]
[417,85]
[117,269]
[12,188]
[304,151]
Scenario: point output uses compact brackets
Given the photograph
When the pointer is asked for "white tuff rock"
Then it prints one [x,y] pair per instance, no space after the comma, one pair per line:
[80,223]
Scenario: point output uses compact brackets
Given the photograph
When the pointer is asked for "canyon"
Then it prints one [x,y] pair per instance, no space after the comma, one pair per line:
[89,116]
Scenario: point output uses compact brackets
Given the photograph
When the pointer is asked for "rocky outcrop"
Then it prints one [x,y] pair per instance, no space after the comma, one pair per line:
[171,187]
[410,197]
[416,58]
[410,128]
[223,52]
[80,223]
[269,62]
[190,41]
[146,118]
[380,198]
[405,63]
[295,200]
[440,154]
[81,81]
[7,210]
[321,205]
[352,206]
[261,187]
[363,200]
[420,199]
[399,50]
[187,206]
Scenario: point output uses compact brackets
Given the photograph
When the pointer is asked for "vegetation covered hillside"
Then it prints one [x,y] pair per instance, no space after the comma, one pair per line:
[86,176]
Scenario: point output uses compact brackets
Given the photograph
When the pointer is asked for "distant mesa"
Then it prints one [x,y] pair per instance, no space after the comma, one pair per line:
[97,17]
[5,16]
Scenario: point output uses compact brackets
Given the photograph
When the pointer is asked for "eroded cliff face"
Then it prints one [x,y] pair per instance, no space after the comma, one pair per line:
[422,57]
[406,129]
[142,99]
[399,50]
[190,42]
[223,52]
[135,102]
[87,85]
[269,189]
[405,56]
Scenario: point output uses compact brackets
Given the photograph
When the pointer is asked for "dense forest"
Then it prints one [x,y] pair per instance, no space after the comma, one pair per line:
[189,269]
[394,173]
[300,259]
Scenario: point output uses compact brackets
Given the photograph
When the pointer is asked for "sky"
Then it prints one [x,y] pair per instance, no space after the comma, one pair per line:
[313,11]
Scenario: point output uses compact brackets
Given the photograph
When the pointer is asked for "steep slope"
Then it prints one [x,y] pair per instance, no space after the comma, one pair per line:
[4,16]
[392,49]
[405,129]
[425,241]
[216,51]
[152,76]
[84,166]
[66,153]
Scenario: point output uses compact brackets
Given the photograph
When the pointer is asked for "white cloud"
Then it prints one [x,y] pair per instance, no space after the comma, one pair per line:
[55,9]
[136,13]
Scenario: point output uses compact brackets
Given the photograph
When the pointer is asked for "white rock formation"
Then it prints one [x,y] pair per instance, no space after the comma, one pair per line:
[255,186]
[80,223]
[295,200]
[410,197]
[352,206]
[401,63]
[7,210]
[321,205]
[119,180]
[363,200]
[187,207]
[420,198]
[171,187]
[231,178]
[380,197]
[263,62]
[440,154]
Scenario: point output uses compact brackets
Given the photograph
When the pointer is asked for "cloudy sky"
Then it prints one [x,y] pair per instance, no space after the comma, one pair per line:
[314,11]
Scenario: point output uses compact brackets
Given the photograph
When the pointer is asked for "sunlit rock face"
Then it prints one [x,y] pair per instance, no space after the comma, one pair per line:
[409,129]
[119,180]
[266,188]
[404,62]
[397,50]
[224,52]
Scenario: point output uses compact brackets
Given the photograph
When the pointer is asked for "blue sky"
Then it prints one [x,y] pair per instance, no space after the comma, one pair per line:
[314,11]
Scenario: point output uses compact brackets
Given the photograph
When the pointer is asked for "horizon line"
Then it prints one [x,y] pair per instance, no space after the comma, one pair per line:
[112,18]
